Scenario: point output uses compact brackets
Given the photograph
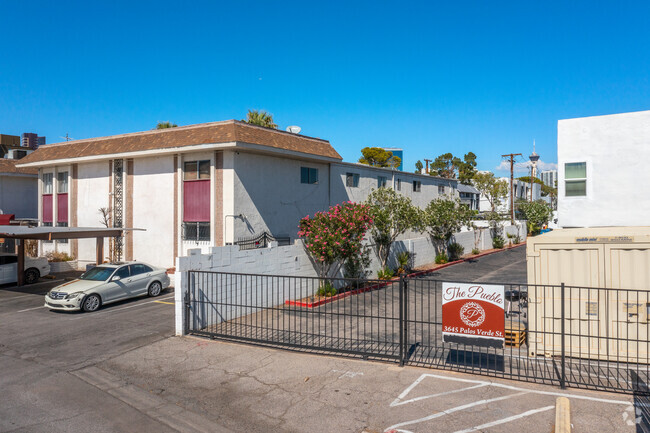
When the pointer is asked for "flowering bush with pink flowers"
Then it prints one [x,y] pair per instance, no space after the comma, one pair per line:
[333,237]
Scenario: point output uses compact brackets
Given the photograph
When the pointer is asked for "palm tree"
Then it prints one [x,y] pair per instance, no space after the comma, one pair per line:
[165,125]
[260,118]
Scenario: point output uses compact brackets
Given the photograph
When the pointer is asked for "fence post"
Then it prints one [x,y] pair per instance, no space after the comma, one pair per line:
[563,374]
[405,319]
[190,284]
[402,284]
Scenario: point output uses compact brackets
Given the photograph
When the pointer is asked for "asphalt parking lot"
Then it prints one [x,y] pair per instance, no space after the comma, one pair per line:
[41,348]
[119,370]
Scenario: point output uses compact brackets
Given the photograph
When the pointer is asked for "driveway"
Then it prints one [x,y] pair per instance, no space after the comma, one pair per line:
[41,349]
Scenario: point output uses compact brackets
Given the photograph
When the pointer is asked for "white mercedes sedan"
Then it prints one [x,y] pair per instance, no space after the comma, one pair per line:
[107,283]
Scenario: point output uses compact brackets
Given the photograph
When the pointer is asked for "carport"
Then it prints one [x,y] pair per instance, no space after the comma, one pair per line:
[22,233]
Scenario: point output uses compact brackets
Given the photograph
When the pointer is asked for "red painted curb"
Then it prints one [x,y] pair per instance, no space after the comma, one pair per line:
[379,286]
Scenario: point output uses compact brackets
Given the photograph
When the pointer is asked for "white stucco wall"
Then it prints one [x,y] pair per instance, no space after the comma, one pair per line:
[19,195]
[368,180]
[93,193]
[153,210]
[616,149]
[267,190]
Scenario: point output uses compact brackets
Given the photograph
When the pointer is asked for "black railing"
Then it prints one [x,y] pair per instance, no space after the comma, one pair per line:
[261,241]
[590,338]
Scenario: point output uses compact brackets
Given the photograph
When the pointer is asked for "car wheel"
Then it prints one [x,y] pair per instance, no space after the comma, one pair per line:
[155,288]
[91,303]
[32,275]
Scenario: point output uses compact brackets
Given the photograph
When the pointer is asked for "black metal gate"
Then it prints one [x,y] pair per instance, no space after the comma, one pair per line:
[579,337]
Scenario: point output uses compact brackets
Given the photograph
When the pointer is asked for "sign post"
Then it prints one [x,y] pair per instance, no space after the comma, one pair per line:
[473,314]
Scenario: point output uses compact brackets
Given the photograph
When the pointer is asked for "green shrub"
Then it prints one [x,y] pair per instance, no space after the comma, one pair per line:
[498,242]
[326,289]
[456,250]
[356,265]
[385,274]
[441,258]
[403,262]
[476,251]
[54,256]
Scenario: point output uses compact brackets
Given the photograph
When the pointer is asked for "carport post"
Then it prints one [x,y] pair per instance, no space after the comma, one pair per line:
[20,268]
[100,250]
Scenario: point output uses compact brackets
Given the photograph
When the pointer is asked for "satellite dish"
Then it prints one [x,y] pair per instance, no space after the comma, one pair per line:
[294,129]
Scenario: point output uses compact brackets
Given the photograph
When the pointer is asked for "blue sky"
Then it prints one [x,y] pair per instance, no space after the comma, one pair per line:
[430,77]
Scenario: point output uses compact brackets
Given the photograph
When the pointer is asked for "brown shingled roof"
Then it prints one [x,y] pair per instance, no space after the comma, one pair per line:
[204,133]
[9,166]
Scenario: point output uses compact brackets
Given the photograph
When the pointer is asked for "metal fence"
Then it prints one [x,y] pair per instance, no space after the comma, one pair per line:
[261,241]
[590,338]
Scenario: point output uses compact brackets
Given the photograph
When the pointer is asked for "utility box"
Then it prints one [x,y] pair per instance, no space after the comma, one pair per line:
[606,272]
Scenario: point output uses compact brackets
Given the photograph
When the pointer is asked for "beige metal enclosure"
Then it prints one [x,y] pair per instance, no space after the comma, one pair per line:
[606,272]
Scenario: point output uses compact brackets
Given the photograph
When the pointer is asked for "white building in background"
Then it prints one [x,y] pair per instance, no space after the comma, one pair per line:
[18,190]
[521,192]
[602,170]
[201,186]
[549,177]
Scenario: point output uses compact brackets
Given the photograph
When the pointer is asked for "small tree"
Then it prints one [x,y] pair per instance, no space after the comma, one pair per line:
[378,157]
[392,215]
[260,118]
[335,236]
[442,218]
[106,220]
[418,167]
[491,188]
[537,214]
[494,221]
[165,125]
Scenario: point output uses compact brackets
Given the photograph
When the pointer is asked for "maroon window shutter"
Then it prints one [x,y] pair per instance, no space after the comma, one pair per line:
[47,208]
[62,208]
[196,201]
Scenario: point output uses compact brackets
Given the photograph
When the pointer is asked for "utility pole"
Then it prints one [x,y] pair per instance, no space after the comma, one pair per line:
[427,169]
[512,178]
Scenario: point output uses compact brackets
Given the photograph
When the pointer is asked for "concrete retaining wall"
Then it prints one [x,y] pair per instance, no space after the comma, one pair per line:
[291,260]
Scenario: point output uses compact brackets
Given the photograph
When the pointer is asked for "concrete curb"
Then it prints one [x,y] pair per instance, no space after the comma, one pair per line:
[562,415]
[466,259]
[297,303]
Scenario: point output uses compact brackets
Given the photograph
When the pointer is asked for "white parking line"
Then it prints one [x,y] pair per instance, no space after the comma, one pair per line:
[454,409]
[102,312]
[30,309]
[505,420]
[22,296]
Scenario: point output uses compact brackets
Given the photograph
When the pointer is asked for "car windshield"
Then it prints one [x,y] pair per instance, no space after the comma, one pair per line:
[97,274]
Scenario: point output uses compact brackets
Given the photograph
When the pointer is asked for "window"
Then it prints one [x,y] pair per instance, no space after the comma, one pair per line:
[62,182]
[196,231]
[308,175]
[61,224]
[352,180]
[195,170]
[399,184]
[123,272]
[47,183]
[381,181]
[441,189]
[8,260]
[140,269]
[575,179]
[417,186]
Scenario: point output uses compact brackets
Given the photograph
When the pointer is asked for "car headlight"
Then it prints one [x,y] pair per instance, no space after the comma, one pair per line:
[74,295]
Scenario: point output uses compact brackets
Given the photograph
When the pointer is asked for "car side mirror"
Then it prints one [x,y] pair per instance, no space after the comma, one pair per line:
[116,278]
